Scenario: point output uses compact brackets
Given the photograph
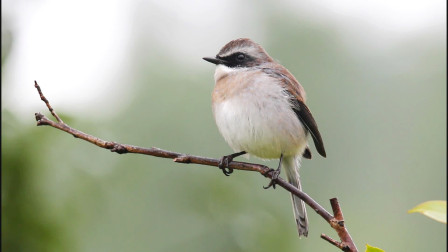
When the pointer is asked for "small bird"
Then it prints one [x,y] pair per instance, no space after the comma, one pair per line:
[259,108]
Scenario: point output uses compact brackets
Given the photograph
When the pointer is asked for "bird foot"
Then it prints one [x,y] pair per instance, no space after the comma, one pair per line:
[275,174]
[273,182]
[225,161]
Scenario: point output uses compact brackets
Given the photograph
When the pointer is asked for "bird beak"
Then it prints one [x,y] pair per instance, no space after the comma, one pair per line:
[215,61]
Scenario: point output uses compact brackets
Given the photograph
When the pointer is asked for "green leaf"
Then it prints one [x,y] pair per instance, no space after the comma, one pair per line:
[373,249]
[435,209]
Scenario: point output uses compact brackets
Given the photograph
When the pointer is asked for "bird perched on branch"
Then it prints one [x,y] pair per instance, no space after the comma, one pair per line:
[259,108]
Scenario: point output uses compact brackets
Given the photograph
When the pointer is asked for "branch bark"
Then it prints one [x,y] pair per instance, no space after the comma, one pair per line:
[336,220]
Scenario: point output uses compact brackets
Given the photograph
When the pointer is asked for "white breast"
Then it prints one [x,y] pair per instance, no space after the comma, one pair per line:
[259,119]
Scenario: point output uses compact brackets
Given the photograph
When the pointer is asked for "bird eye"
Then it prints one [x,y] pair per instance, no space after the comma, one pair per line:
[240,57]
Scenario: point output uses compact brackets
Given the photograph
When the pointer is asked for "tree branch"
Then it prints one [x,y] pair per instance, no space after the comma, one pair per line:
[336,221]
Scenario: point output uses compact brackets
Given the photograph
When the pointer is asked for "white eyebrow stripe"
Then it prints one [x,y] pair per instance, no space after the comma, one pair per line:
[251,51]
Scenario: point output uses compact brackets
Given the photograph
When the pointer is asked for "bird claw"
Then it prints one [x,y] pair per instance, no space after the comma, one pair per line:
[273,182]
[275,174]
[224,163]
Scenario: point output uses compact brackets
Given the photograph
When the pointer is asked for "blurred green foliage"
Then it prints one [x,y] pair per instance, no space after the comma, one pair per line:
[381,113]
[25,224]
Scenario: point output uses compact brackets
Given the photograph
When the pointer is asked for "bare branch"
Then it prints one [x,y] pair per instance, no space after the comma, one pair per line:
[42,97]
[336,221]
[338,224]
[334,242]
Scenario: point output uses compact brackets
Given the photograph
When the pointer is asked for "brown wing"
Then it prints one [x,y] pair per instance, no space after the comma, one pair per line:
[305,116]
[297,94]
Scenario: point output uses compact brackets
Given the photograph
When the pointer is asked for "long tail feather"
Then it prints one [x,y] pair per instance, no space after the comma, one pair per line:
[291,166]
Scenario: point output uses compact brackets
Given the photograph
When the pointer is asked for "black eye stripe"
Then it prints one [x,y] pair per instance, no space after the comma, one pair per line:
[237,59]
[237,56]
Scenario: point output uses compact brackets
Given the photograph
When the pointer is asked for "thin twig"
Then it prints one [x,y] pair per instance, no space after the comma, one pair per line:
[42,97]
[336,222]
[333,241]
